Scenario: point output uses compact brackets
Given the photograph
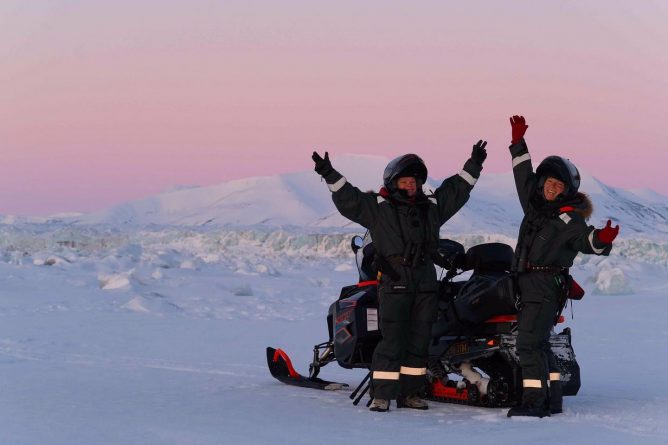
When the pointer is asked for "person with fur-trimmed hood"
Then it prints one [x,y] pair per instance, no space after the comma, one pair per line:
[553,231]
[404,224]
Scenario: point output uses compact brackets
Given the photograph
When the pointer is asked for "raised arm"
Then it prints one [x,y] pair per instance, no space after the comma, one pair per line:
[589,240]
[352,203]
[453,193]
[525,179]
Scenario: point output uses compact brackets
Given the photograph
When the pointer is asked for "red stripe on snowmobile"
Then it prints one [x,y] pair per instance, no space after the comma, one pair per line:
[502,319]
[512,319]
[291,370]
[439,390]
[367,283]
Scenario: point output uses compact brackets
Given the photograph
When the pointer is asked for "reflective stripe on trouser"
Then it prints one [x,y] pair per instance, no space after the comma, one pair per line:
[385,375]
[530,383]
[405,321]
[406,370]
[535,322]
[552,366]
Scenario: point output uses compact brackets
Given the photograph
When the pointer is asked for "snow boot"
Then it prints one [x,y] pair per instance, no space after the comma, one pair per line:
[380,405]
[533,404]
[556,397]
[528,411]
[413,402]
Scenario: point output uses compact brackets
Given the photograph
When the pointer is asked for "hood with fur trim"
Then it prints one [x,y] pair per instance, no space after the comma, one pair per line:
[583,205]
[580,203]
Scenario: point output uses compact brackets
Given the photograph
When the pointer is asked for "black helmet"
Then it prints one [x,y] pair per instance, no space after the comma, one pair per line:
[409,165]
[561,169]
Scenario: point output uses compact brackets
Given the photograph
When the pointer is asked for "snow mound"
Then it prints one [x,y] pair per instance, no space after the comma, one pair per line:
[612,281]
[153,303]
[49,260]
[114,281]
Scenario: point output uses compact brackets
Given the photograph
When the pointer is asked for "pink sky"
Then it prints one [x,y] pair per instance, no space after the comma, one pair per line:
[107,101]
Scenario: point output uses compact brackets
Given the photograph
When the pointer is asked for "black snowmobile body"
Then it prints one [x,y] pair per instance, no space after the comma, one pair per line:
[474,333]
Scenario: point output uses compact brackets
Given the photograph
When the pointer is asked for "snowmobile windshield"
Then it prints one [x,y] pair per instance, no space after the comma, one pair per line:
[364,258]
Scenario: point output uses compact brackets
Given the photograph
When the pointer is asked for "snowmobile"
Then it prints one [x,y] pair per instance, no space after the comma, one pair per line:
[473,337]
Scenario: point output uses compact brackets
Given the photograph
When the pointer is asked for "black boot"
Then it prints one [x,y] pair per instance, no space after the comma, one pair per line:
[556,397]
[533,404]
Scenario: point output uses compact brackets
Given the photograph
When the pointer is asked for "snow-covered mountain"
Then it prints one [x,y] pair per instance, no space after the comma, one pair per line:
[293,199]
[302,199]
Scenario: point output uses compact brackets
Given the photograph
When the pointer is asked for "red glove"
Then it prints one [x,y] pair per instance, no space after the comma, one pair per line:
[607,234]
[519,127]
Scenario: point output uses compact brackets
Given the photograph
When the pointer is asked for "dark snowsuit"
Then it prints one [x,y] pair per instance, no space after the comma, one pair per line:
[405,232]
[550,237]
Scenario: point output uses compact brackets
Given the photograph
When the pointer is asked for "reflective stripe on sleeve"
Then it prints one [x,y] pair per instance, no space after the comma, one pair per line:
[555,376]
[337,185]
[530,383]
[591,243]
[385,375]
[467,177]
[413,371]
[565,218]
[519,159]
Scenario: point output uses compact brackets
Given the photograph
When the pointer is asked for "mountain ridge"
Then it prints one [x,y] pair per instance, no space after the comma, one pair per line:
[301,199]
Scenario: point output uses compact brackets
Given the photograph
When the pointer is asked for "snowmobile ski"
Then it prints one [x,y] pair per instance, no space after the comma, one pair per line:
[281,368]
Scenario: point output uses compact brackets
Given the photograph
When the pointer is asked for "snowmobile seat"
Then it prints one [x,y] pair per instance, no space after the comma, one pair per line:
[489,258]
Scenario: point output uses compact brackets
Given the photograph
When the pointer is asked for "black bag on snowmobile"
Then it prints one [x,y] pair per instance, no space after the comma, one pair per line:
[482,297]
[490,291]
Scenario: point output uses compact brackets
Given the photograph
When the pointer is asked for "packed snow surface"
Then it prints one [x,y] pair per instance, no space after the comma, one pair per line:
[157,335]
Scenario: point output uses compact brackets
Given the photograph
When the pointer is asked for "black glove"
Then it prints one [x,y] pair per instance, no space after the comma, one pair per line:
[479,154]
[323,167]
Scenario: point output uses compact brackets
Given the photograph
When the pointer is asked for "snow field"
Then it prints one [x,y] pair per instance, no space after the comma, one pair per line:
[157,336]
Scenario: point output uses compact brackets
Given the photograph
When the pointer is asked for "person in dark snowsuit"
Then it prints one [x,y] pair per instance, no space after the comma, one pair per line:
[404,225]
[552,233]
